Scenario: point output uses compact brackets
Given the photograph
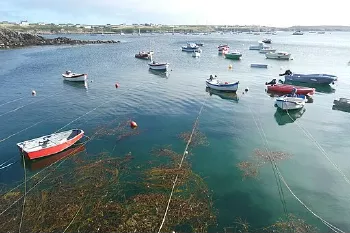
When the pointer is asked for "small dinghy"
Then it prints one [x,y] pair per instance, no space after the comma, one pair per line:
[256,65]
[50,144]
[343,104]
[287,89]
[73,77]
[158,66]
[233,55]
[291,101]
[278,55]
[144,55]
[218,85]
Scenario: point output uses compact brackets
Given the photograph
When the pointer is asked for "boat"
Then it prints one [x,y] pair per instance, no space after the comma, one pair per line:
[289,76]
[278,55]
[218,85]
[50,144]
[73,77]
[158,66]
[199,44]
[257,65]
[291,102]
[298,33]
[47,161]
[257,47]
[256,33]
[223,48]
[196,54]
[287,89]
[233,55]
[144,55]
[321,32]
[267,50]
[343,104]
[190,47]
[267,41]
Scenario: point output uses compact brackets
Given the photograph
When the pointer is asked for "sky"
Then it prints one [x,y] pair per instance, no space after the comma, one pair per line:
[279,13]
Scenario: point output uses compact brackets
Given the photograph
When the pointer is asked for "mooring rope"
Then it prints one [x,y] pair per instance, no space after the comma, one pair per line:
[14,134]
[11,101]
[330,226]
[180,165]
[25,192]
[311,138]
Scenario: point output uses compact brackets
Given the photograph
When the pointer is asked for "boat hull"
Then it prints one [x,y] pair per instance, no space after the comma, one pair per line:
[290,103]
[231,87]
[41,150]
[159,67]
[233,56]
[277,56]
[311,78]
[264,51]
[258,65]
[287,89]
[75,78]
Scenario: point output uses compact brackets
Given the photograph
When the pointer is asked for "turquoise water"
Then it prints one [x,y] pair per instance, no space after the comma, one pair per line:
[165,106]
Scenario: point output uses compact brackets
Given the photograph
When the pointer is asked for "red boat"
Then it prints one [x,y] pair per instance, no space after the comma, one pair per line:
[44,162]
[287,89]
[50,144]
[143,55]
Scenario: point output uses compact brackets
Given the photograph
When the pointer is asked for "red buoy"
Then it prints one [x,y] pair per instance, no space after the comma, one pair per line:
[133,124]
[116,85]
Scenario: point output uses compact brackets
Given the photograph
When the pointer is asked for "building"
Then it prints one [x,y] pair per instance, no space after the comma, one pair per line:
[24,23]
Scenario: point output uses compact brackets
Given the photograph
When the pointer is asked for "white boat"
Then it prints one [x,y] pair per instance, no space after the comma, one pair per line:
[158,66]
[73,77]
[196,54]
[321,32]
[278,55]
[257,47]
[216,84]
[256,65]
[190,47]
[267,50]
[298,33]
[291,102]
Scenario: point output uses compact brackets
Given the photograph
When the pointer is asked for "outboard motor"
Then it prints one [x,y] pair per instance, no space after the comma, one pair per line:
[287,72]
[272,82]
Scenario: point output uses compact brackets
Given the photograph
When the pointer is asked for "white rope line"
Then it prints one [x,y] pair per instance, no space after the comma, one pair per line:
[333,228]
[311,138]
[3,167]
[33,102]
[11,101]
[14,134]
[180,165]
[74,217]
[25,191]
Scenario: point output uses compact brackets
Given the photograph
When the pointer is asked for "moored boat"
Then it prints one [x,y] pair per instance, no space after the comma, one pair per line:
[218,85]
[158,66]
[267,50]
[73,77]
[50,144]
[291,102]
[257,65]
[190,47]
[278,55]
[298,33]
[287,89]
[144,55]
[233,55]
[257,47]
[308,78]
[223,49]
[267,41]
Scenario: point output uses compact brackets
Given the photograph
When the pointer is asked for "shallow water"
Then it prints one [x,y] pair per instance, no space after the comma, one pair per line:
[165,106]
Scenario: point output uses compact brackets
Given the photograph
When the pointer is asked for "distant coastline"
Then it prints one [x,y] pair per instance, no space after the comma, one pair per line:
[150,28]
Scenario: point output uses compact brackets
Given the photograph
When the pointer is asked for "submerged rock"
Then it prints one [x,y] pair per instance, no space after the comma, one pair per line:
[13,39]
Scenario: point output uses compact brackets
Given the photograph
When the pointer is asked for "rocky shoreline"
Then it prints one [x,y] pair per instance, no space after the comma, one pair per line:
[12,39]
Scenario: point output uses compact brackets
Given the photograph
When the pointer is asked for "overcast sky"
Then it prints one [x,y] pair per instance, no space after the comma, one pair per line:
[268,12]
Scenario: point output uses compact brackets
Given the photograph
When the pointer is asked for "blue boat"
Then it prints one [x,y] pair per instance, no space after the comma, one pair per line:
[309,78]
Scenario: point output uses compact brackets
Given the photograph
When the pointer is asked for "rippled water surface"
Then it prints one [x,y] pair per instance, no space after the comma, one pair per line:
[166,105]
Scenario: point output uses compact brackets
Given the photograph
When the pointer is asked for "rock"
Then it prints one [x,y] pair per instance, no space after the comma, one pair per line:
[12,39]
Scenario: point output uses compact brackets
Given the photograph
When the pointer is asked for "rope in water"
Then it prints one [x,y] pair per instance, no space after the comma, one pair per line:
[25,192]
[25,129]
[11,101]
[180,165]
[311,138]
[330,226]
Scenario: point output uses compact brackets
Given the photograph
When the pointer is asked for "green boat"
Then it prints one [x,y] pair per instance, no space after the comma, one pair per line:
[233,55]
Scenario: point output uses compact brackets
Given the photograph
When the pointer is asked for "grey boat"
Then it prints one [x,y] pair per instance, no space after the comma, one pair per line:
[309,78]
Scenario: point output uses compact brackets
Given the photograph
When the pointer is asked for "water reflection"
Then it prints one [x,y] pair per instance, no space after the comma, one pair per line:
[223,95]
[84,84]
[321,88]
[47,161]
[164,74]
[282,117]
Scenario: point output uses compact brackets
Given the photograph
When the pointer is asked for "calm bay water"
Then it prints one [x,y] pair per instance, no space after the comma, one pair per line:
[166,106]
